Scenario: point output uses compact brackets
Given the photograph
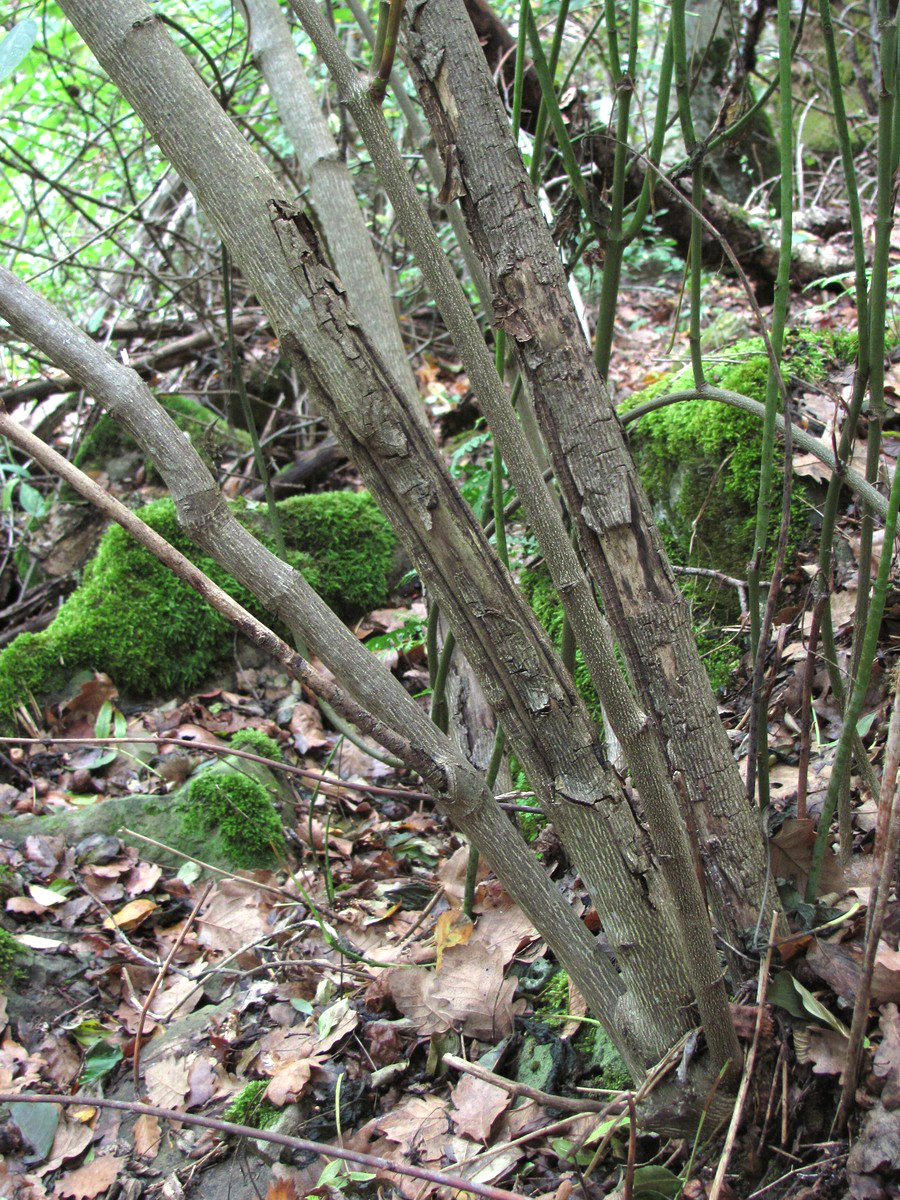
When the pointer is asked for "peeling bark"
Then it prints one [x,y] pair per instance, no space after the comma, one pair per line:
[589,453]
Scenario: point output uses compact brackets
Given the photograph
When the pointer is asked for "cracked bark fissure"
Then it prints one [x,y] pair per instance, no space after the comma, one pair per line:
[531,691]
[594,468]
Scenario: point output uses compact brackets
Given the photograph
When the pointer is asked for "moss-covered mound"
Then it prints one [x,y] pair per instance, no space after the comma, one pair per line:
[237,810]
[699,461]
[209,435]
[131,618]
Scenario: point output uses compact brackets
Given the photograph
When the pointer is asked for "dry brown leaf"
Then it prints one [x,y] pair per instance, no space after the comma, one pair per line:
[180,997]
[134,913]
[142,878]
[72,1139]
[502,927]
[87,1182]
[827,1051]
[306,726]
[288,1085]
[840,965]
[203,1081]
[792,849]
[472,992]
[412,990]
[336,844]
[147,1136]
[235,915]
[419,1126]
[167,1082]
[477,1106]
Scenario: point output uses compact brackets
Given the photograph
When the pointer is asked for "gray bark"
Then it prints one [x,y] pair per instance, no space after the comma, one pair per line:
[330,193]
[457,787]
[593,465]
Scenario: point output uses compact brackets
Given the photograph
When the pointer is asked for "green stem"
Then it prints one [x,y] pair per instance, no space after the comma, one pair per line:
[758,635]
[623,82]
[385,63]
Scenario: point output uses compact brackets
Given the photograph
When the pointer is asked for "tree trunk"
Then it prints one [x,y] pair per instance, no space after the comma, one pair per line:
[330,193]
[590,455]
[547,724]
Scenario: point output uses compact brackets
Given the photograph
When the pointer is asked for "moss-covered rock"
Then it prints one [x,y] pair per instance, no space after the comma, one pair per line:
[699,460]
[236,809]
[107,439]
[131,618]
[164,818]
[256,742]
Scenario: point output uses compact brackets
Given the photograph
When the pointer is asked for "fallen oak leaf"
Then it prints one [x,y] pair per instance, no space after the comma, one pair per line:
[87,1182]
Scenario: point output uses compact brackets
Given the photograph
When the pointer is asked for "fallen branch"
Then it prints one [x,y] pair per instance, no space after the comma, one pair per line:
[279,1139]
[566,1103]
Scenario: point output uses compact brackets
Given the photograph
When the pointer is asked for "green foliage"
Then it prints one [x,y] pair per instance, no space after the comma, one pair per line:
[250,1107]
[151,633]
[240,810]
[10,949]
[257,742]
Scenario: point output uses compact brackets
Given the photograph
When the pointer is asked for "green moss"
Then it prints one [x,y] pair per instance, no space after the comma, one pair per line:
[239,809]
[553,1002]
[257,742]
[603,1059]
[133,619]
[699,461]
[347,536]
[250,1107]
[10,949]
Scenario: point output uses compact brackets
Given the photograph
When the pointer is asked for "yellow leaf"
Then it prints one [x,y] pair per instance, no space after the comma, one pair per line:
[452,929]
[129,917]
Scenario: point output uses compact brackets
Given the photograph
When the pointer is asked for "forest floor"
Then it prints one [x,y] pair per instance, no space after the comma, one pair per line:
[344,977]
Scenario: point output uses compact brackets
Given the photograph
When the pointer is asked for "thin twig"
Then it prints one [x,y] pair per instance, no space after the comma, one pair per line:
[136,1068]
[736,1116]
[566,1103]
[887,842]
[267,1135]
